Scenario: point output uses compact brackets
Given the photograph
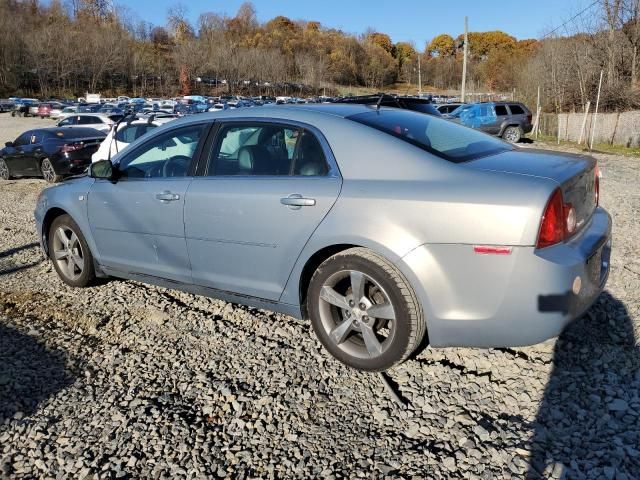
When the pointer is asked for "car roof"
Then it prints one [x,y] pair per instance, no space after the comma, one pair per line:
[71,132]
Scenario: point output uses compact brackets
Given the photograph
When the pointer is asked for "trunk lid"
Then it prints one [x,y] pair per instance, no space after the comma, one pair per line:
[574,173]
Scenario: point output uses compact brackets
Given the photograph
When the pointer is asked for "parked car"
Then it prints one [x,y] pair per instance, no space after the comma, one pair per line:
[67,111]
[99,121]
[89,108]
[382,226]
[446,108]
[6,105]
[126,132]
[45,108]
[51,153]
[509,120]
[23,107]
[416,104]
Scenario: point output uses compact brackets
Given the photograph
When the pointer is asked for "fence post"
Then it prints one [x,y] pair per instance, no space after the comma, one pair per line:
[595,114]
[584,121]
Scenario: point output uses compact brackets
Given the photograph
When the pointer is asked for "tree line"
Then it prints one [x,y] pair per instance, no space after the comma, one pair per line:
[64,50]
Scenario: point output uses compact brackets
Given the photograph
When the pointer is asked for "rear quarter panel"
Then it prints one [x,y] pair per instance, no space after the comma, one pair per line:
[396,197]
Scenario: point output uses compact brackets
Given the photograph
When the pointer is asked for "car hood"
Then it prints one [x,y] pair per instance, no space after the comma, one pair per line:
[556,166]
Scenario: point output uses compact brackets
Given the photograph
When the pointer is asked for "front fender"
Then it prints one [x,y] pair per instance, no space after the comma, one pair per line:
[70,197]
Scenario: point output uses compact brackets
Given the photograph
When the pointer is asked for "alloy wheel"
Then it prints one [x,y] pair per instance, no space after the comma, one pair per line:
[512,135]
[67,252]
[48,172]
[4,170]
[357,314]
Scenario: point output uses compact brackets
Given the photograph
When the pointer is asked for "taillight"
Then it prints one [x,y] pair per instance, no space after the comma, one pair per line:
[559,221]
[552,225]
[71,148]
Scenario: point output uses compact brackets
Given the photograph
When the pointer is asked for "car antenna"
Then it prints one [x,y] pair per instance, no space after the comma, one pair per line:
[379,102]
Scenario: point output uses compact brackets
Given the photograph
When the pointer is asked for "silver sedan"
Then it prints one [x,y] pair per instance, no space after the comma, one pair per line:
[388,229]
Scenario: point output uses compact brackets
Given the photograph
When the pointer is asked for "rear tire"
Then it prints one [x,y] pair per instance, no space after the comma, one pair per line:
[48,172]
[5,174]
[364,311]
[512,134]
[70,254]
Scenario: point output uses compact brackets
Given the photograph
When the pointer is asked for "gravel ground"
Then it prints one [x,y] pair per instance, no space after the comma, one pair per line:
[125,380]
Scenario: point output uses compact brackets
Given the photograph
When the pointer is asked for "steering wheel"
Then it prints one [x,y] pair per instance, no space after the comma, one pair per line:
[176,166]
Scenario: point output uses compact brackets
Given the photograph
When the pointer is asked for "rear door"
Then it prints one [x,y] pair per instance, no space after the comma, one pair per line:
[501,115]
[518,115]
[265,189]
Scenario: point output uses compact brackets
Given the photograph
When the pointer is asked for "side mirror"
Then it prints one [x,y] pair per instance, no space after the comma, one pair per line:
[8,144]
[102,169]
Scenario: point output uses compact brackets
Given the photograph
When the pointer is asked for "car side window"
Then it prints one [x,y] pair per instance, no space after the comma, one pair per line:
[129,133]
[67,121]
[501,110]
[23,139]
[310,159]
[87,120]
[167,155]
[253,149]
[516,110]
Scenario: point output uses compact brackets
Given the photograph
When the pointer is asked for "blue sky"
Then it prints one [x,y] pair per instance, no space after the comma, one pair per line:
[410,20]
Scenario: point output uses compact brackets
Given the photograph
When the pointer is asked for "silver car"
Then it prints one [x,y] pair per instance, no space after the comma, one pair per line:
[386,228]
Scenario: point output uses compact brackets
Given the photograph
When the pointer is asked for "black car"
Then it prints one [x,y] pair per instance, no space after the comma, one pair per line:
[446,108]
[422,105]
[50,153]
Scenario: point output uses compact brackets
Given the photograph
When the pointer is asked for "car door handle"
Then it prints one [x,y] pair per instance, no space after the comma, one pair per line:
[167,196]
[295,201]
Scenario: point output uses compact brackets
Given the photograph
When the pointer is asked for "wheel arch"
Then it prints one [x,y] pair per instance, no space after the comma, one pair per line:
[47,221]
[509,124]
[311,265]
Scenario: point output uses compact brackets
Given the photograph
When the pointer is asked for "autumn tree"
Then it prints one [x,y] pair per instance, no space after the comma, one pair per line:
[442,46]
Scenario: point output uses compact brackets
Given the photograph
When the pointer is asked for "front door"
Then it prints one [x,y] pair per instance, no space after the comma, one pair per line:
[138,222]
[14,155]
[266,189]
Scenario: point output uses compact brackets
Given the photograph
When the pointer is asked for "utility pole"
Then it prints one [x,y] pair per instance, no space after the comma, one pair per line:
[419,77]
[464,61]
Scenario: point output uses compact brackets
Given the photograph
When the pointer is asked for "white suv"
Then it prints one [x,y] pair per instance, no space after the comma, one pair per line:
[128,131]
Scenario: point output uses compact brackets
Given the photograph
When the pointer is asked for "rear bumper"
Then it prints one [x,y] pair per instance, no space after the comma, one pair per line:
[508,300]
[72,163]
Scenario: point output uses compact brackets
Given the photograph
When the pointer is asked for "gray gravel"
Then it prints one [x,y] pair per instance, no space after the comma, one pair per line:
[126,380]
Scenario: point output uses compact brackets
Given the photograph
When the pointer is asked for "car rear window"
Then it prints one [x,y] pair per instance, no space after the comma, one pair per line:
[516,110]
[442,138]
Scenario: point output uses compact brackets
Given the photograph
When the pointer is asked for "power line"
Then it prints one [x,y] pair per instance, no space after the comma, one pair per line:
[570,20]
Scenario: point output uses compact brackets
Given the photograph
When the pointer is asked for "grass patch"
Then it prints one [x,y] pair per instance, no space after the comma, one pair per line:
[597,147]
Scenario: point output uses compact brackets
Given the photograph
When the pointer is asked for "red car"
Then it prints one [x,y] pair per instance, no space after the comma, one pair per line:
[44,109]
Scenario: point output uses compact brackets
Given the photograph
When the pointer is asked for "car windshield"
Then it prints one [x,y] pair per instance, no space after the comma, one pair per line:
[442,138]
[458,111]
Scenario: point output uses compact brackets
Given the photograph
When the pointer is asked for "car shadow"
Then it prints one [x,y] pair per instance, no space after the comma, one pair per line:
[588,421]
[7,266]
[30,373]
[11,251]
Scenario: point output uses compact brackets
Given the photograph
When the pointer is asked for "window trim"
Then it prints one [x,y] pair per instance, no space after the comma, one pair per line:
[191,171]
[333,170]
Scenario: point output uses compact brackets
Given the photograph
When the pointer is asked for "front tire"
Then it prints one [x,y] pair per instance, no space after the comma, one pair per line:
[5,174]
[512,134]
[364,311]
[48,172]
[70,253]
